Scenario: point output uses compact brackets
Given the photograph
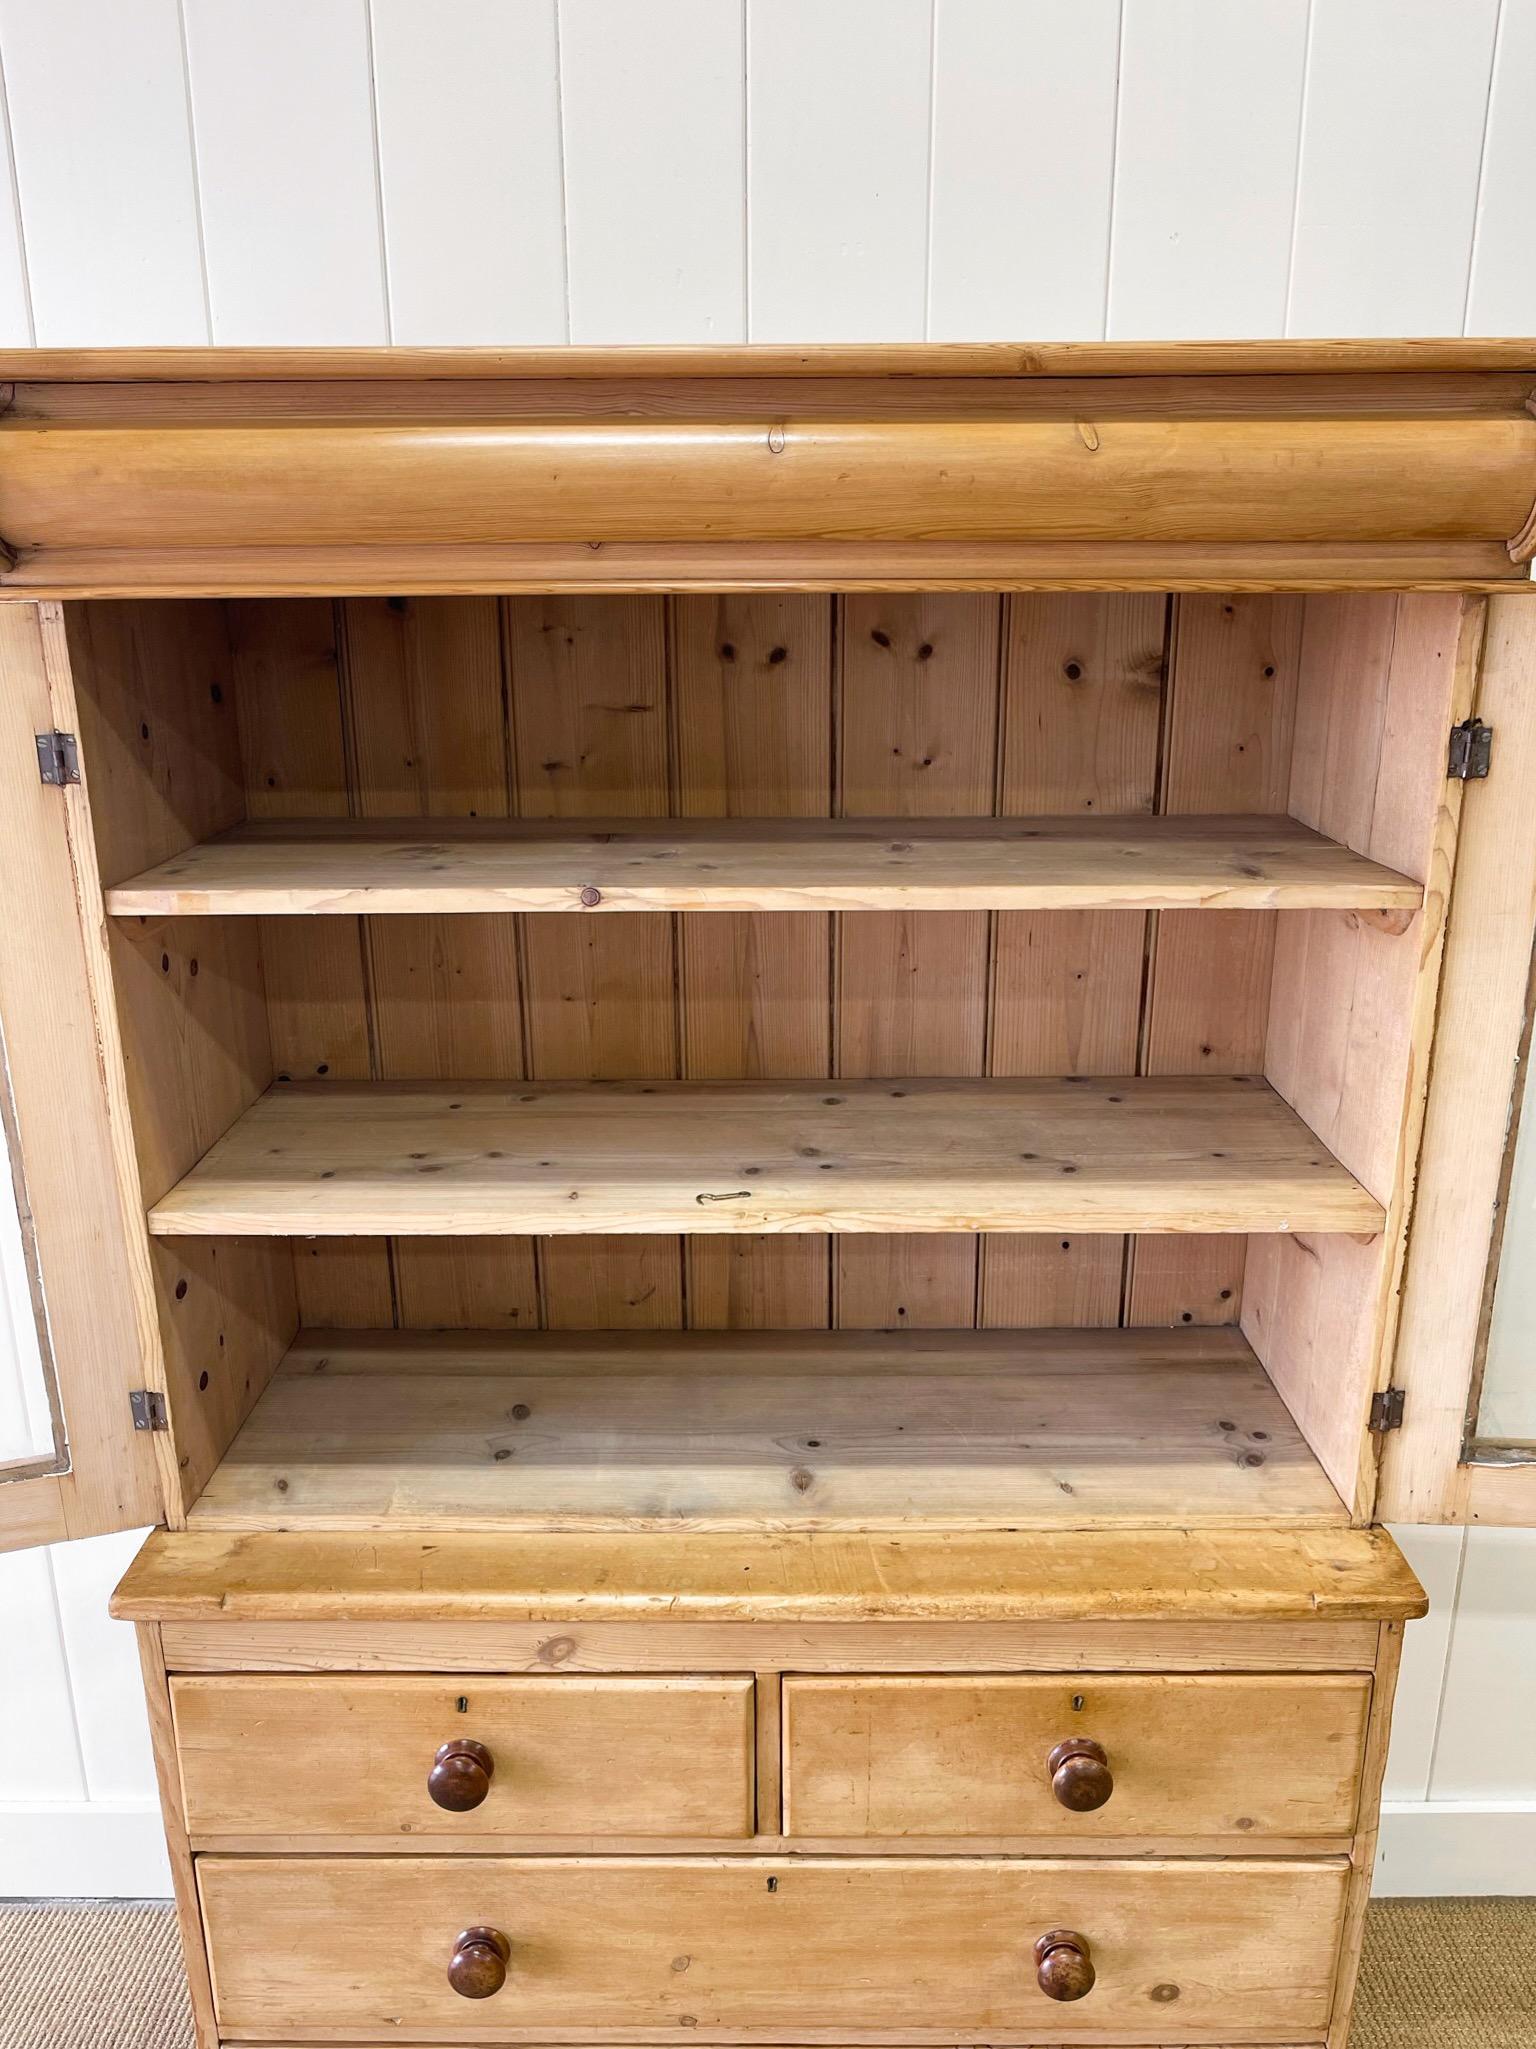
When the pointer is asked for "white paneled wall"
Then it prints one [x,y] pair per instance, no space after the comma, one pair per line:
[523,171]
[726,170]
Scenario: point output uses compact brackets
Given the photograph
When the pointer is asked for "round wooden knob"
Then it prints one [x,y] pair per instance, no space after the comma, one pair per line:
[478,1966]
[461,1775]
[1063,1965]
[1080,1775]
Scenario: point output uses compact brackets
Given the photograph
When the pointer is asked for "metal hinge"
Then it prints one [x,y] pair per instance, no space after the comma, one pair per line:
[1387,1409]
[147,1407]
[1471,751]
[58,758]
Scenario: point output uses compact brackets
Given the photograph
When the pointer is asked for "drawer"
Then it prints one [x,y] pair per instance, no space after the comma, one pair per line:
[1198,1756]
[772,1948]
[566,1756]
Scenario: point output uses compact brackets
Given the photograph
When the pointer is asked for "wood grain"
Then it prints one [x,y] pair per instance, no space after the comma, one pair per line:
[756,568]
[763,865]
[884,359]
[337,1158]
[1479,1027]
[917,727]
[324,483]
[810,1430]
[1233,1574]
[1352,1005]
[66,1128]
[571,1756]
[942,1945]
[1171,1645]
[1194,1755]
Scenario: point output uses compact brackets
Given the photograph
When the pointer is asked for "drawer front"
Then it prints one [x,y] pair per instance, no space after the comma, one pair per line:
[771,1947]
[1199,1756]
[568,1756]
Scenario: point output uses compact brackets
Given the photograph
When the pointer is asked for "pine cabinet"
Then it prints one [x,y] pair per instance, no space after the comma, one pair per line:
[735,1075]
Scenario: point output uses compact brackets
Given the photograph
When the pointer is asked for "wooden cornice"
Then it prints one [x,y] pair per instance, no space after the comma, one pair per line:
[1184,465]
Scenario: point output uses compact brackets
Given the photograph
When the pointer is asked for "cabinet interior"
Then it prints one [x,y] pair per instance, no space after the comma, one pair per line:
[487,969]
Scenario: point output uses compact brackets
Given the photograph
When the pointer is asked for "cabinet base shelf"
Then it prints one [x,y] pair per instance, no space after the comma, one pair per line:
[752,1430]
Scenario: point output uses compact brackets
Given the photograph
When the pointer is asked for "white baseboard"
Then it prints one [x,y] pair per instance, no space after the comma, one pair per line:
[83,1849]
[1434,1849]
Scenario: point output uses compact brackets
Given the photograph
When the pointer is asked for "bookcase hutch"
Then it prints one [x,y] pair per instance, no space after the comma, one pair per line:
[719,1060]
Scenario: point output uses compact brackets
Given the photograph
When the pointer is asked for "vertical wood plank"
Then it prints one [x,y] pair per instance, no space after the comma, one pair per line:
[152,701]
[589,726]
[1480,1017]
[837,176]
[159,727]
[917,721]
[104,172]
[1082,709]
[289,700]
[1205,176]
[1352,1003]
[1233,679]
[1391,143]
[1083,694]
[189,1917]
[425,705]
[1023,161]
[1380,683]
[752,715]
[470,172]
[282,110]
[654,115]
[288,697]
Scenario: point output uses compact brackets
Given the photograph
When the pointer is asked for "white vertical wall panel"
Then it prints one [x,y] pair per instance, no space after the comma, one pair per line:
[1435,1555]
[653,102]
[1391,147]
[39,1751]
[1484,1747]
[103,158]
[106,1682]
[1503,295]
[282,107]
[15,301]
[467,95]
[1507,1404]
[1023,161]
[1205,178]
[26,1424]
[838,105]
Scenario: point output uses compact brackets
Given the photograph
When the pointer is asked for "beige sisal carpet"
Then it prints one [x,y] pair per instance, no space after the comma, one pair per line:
[1439,1974]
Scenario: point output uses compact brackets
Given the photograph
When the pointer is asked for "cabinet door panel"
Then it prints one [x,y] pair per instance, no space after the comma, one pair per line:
[83,1257]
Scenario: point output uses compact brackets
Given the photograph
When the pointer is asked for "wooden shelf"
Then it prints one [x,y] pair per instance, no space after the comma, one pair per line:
[754,1430]
[345,866]
[446,1160]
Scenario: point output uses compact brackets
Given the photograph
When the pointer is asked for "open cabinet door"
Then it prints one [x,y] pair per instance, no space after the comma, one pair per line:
[72,1461]
[1464,1449]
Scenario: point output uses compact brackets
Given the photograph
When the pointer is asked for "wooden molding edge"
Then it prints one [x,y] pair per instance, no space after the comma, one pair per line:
[891,359]
[1228,1574]
[436,569]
